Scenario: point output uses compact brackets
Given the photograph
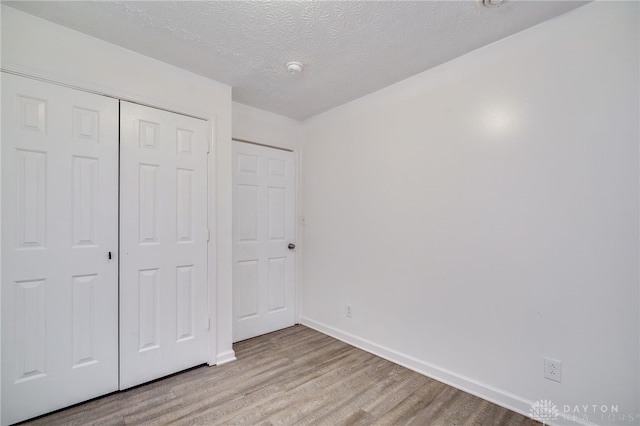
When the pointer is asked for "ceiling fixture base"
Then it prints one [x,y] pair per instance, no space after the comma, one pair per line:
[493,3]
[294,67]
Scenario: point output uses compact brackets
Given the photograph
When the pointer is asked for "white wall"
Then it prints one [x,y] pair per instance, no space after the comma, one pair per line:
[484,214]
[266,128]
[35,47]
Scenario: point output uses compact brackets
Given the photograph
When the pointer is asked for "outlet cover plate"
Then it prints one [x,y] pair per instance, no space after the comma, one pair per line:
[553,369]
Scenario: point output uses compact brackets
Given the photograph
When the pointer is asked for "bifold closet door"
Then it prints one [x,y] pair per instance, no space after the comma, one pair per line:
[163,237]
[59,224]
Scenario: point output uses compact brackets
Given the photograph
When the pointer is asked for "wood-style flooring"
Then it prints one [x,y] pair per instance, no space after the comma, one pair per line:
[296,376]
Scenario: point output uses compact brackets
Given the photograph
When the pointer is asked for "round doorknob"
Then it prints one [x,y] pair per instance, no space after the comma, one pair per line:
[291,246]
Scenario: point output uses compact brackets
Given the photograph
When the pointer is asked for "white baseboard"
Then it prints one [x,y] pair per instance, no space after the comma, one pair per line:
[225,357]
[497,396]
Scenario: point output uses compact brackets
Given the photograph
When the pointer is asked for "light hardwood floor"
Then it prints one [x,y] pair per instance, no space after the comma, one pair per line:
[296,376]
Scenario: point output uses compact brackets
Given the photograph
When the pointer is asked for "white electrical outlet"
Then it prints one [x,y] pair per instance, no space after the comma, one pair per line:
[348,310]
[553,369]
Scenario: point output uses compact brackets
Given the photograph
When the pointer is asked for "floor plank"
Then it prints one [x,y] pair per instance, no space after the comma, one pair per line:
[295,376]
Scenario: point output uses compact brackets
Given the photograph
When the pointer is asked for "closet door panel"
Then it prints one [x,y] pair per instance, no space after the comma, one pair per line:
[59,223]
[163,236]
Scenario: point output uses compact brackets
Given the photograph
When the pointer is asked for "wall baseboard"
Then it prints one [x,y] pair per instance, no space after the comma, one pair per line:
[497,396]
[225,357]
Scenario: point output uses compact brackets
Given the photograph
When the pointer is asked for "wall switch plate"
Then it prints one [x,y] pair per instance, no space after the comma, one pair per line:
[348,310]
[553,369]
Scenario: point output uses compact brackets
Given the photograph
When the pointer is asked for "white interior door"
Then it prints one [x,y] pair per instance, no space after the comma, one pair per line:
[59,223]
[163,237]
[263,227]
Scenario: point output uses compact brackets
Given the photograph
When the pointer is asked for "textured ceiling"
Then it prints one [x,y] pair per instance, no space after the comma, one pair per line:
[348,48]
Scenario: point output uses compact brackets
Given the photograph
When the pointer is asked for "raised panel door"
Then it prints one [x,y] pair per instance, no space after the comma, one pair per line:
[59,223]
[163,237]
[263,227]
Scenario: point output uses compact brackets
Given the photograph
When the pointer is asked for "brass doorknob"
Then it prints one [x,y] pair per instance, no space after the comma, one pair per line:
[291,246]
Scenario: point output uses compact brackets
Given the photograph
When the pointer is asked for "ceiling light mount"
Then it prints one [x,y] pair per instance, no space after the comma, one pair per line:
[493,3]
[294,67]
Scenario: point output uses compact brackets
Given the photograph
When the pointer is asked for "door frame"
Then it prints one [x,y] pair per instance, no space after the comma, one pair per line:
[212,180]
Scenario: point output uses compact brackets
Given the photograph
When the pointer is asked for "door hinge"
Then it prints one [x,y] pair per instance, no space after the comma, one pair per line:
[208,323]
[209,146]
[208,235]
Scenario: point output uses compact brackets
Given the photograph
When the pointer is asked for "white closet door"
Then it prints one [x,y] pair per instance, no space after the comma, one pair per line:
[163,237]
[59,222]
[263,227]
